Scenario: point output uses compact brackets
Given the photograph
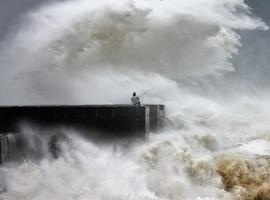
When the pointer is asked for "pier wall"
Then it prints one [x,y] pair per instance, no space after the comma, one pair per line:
[106,122]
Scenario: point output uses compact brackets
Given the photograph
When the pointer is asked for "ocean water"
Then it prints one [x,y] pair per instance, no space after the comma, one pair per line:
[84,52]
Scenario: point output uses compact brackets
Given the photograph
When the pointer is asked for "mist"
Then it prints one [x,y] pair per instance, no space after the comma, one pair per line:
[199,58]
[58,58]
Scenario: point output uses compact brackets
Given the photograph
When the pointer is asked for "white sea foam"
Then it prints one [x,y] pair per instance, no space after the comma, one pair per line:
[77,52]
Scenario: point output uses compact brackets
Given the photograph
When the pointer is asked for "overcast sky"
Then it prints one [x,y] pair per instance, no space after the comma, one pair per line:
[11,10]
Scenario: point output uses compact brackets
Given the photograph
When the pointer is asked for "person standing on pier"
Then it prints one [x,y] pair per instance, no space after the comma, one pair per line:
[135,100]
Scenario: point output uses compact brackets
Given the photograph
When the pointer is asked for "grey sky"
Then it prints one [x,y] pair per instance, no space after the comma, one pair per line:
[252,63]
[261,8]
[11,10]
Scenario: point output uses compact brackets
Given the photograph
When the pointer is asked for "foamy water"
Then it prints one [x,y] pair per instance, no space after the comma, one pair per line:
[80,52]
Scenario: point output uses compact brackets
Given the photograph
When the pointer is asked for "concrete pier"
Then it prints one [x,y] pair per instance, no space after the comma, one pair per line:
[98,122]
[157,115]
[112,120]
[3,148]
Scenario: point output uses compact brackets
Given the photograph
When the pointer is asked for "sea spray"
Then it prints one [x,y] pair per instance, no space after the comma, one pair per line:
[63,52]
[81,52]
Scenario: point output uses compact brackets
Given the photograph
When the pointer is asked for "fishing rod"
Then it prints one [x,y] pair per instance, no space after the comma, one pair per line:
[147,91]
